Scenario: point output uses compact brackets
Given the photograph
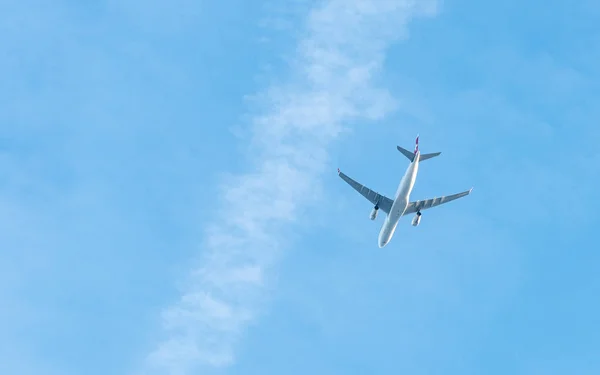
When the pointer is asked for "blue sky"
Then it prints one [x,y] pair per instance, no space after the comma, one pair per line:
[169,202]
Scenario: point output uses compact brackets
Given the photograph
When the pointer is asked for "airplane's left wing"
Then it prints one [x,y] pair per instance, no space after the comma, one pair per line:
[433,202]
[384,203]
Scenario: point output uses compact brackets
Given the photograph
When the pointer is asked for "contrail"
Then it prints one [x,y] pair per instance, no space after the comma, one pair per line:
[330,83]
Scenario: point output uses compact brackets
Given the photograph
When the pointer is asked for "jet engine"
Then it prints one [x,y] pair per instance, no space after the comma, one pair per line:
[374,212]
[416,220]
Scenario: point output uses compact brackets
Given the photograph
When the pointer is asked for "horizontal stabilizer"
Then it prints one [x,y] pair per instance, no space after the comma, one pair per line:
[411,155]
[428,156]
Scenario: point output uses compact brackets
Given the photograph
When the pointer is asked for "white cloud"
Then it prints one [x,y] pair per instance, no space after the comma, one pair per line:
[330,83]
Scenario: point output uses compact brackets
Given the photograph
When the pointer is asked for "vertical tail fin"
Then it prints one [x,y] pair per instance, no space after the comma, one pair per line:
[416,145]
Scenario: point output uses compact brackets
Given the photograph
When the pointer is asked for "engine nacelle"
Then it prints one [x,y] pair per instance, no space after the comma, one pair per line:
[374,213]
[416,220]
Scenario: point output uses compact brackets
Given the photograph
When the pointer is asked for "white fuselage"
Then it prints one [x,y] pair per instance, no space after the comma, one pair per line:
[401,200]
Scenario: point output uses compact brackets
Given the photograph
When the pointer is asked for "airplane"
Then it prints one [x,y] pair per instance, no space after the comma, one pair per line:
[401,204]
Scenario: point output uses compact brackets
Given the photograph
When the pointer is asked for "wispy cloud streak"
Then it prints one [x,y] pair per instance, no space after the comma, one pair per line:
[330,83]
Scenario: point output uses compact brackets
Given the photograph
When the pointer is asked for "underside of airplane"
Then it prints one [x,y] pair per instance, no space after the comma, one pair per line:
[401,205]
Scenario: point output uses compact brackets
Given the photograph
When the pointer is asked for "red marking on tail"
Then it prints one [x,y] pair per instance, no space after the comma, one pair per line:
[417,144]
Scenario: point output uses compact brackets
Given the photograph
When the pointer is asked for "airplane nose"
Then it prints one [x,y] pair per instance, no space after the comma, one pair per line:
[383,239]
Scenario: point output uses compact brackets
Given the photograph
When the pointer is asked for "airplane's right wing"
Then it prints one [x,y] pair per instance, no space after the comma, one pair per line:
[429,203]
[384,203]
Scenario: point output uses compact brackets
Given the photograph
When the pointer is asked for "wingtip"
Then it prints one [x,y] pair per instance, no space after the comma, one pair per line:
[470,190]
[338,170]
